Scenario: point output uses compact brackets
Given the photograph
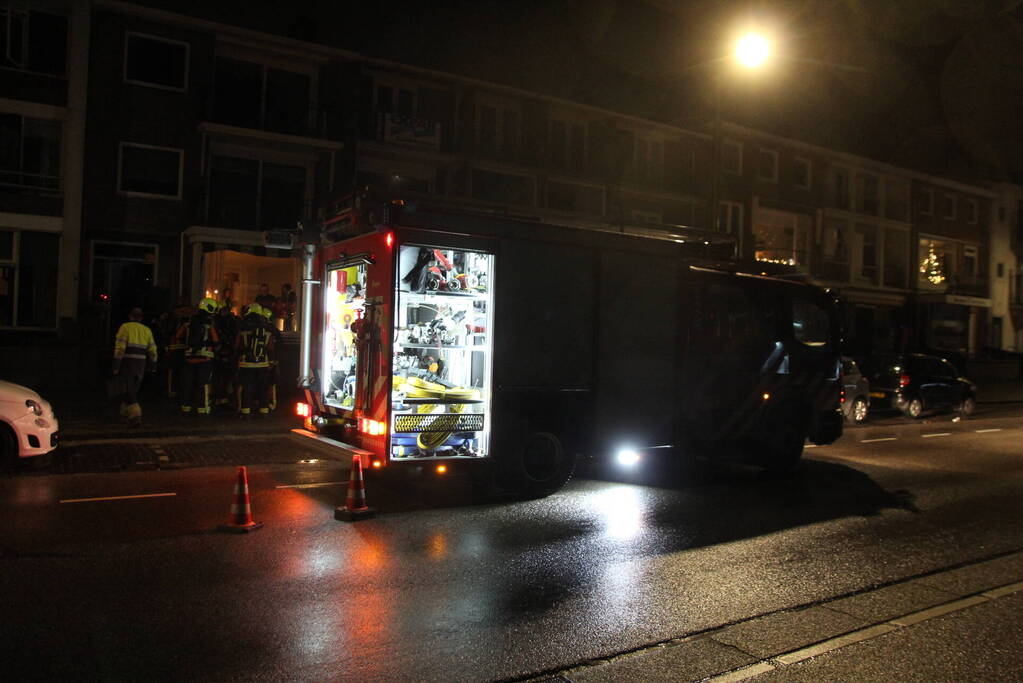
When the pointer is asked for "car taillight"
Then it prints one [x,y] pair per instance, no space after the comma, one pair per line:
[841,395]
[904,380]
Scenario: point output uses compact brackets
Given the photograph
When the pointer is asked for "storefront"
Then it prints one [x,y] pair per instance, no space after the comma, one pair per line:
[239,267]
[952,323]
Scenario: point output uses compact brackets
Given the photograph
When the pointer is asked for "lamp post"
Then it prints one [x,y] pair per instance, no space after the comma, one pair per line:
[751,51]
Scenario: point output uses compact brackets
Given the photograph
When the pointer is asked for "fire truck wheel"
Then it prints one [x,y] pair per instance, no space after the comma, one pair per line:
[541,465]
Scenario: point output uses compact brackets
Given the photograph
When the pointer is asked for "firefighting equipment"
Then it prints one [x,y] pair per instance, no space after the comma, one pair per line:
[240,519]
[208,305]
[415,387]
[355,507]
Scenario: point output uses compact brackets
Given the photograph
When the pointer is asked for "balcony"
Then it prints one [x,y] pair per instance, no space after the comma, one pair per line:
[408,131]
[969,285]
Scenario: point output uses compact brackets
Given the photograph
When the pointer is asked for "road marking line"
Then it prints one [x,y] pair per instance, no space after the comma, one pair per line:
[1004,590]
[985,431]
[309,486]
[887,438]
[924,615]
[140,495]
[743,673]
[835,643]
[927,436]
[810,445]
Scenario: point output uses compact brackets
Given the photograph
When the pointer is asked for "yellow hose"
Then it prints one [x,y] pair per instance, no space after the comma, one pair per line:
[415,387]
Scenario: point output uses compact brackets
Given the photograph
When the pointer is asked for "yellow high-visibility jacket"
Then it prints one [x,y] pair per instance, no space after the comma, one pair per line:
[134,340]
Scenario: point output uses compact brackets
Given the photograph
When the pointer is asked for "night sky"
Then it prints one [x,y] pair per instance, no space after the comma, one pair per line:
[930,84]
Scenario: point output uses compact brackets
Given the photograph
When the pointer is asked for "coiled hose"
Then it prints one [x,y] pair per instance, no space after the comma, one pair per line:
[414,387]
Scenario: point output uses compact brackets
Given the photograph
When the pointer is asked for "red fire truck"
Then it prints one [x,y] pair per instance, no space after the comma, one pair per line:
[442,339]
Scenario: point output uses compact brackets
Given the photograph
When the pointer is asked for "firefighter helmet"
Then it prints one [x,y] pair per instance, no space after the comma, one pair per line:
[253,309]
[267,313]
[208,305]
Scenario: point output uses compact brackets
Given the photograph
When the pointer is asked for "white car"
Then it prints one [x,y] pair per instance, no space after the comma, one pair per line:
[28,427]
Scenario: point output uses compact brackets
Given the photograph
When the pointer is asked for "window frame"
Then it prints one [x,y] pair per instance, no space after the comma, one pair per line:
[132,193]
[59,189]
[972,211]
[27,13]
[773,153]
[738,145]
[809,173]
[927,207]
[159,39]
[15,263]
[951,206]
[844,189]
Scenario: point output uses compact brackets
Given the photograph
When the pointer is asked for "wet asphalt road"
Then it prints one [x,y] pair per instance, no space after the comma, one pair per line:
[441,587]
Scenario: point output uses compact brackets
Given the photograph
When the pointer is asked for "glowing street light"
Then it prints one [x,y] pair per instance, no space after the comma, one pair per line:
[752,50]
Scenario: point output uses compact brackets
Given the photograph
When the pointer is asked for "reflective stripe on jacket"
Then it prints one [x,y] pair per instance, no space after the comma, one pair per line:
[134,340]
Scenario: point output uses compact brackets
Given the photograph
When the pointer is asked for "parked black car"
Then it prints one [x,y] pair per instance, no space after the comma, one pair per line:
[916,383]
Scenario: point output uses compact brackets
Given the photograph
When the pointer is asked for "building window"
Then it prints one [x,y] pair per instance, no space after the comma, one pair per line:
[1000,270]
[150,171]
[567,145]
[896,258]
[834,265]
[394,100]
[156,62]
[767,169]
[781,237]
[504,188]
[730,217]
[840,188]
[648,161]
[969,261]
[497,132]
[934,269]
[250,194]
[869,194]
[583,199]
[731,157]
[951,206]
[971,211]
[802,173]
[33,41]
[252,95]
[30,152]
[28,278]
[926,201]
[868,253]
[896,200]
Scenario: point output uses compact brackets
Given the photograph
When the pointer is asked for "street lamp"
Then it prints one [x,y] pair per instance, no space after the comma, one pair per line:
[751,51]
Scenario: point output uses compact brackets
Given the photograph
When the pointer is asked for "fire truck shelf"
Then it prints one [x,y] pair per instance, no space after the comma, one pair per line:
[480,347]
[415,297]
[440,401]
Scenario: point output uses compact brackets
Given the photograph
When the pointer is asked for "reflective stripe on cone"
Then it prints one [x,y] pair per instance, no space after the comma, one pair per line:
[355,507]
[241,520]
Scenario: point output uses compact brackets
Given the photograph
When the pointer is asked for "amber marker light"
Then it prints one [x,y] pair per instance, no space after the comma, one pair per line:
[766,397]
[441,469]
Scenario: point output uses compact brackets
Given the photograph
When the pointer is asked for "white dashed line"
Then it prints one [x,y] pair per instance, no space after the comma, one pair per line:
[887,438]
[309,486]
[985,431]
[927,436]
[141,495]
[810,445]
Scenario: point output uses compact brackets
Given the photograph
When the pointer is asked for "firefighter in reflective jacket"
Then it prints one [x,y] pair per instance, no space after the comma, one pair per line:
[200,338]
[274,372]
[253,348]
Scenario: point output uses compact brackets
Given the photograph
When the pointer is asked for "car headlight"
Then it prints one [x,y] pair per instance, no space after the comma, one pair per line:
[34,405]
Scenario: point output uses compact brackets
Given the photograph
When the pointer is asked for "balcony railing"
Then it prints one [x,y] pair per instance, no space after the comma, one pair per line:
[31,181]
[312,122]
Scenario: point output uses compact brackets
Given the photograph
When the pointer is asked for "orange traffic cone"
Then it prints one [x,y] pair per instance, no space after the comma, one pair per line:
[241,511]
[355,507]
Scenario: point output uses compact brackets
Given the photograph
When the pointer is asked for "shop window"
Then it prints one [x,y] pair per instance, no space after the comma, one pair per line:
[802,173]
[150,171]
[30,151]
[768,167]
[502,187]
[731,157]
[156,62]
[252,95]
[33,41]
[28,279]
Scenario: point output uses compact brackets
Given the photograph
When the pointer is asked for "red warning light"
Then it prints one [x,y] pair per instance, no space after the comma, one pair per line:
[389,239]
[302,409]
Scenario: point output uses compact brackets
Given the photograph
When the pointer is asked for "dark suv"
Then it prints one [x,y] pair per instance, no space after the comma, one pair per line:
[915,383]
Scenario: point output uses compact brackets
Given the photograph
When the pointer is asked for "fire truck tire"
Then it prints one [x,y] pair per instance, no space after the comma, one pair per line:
[539,466]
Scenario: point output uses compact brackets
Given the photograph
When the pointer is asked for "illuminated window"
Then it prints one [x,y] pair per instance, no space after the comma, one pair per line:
[781,237]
